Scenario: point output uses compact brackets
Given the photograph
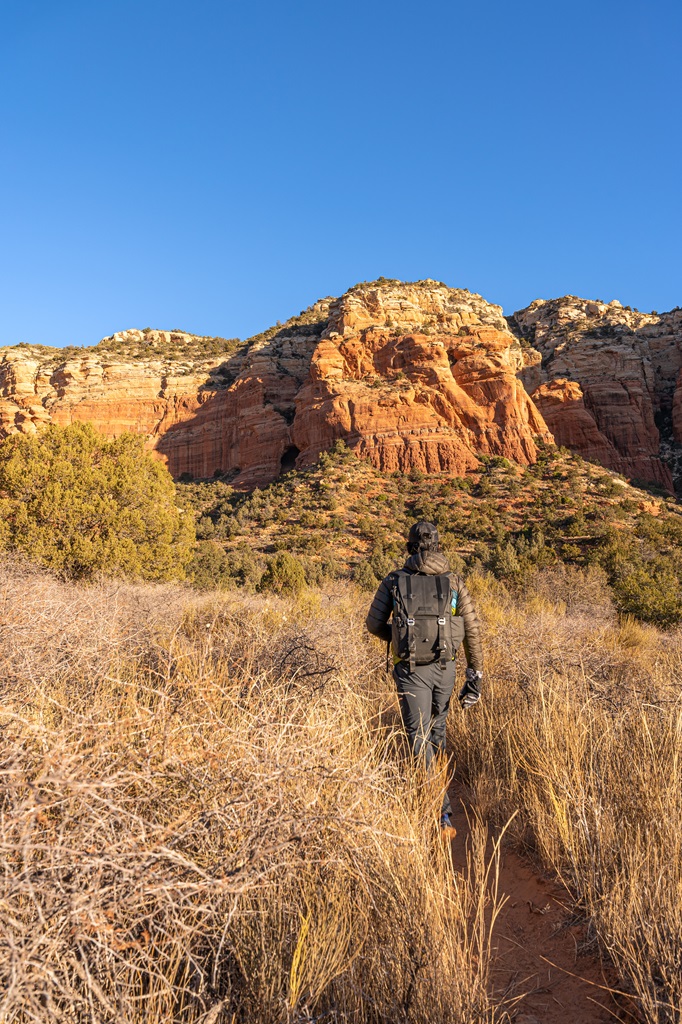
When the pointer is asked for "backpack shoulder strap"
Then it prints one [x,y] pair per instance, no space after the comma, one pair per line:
[443,590]
[392,581]
[404,595]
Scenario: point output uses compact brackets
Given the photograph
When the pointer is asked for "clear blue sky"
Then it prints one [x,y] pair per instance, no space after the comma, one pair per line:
[217,166]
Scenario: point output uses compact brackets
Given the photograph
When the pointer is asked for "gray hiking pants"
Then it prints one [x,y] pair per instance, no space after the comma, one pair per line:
[424,697]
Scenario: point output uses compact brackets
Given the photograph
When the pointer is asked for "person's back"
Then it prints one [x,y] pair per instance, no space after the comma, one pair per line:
[431,612]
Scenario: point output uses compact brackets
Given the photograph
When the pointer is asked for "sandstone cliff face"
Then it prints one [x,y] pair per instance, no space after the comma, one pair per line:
[609,378]
[411,376]
[202,416]
[245,427]
[417,377]
[118,396]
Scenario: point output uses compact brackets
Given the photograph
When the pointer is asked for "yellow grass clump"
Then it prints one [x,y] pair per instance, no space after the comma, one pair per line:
[580,731]
[206,815]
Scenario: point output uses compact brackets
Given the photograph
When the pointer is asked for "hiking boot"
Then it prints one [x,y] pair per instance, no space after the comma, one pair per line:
[447,829]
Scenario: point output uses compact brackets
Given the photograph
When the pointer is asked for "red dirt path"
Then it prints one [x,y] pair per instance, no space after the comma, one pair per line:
[537,925]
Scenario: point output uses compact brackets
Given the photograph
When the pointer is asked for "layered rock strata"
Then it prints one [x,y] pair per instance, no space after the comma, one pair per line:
[417,377]
[201,416]
[608,379]
[411,376]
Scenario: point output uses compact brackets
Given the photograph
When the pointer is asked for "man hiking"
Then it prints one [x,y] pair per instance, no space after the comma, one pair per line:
[432,613]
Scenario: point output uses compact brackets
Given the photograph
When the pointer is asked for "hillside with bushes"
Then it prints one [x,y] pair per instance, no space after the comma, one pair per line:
[208,811]
[343,519]
[84,506]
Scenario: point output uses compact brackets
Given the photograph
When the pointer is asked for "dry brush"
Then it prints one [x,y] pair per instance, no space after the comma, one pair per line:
[580,731]
[206,815]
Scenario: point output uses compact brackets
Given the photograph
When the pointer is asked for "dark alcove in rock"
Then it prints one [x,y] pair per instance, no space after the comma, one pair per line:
[289,459]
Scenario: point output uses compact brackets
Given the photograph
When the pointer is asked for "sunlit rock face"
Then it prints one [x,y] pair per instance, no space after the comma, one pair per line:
[410,376]
[417,377]
[608,383]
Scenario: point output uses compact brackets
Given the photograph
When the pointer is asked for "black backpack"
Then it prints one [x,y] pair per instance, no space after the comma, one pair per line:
[423,628]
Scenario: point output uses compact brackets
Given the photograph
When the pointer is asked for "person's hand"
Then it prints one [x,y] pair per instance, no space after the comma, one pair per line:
[471,692]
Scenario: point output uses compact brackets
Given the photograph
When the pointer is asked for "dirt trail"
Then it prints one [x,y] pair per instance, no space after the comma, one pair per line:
[537,922]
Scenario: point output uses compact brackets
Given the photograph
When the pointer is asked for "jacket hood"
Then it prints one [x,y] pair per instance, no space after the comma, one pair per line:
[431,563]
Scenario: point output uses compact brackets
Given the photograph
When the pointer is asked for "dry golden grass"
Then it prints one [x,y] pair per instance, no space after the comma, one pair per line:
[206,815]
[580,731]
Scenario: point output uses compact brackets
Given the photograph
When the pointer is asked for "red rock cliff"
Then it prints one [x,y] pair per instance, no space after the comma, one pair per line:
[608,380]
[417,377]
[411,376]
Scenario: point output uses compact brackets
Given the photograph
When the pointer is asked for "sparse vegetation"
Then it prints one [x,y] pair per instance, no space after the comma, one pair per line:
[187,350]
[309,321]
[580,734]
[167,345]
[208,815]
[195,792]
[505,520]
[284,574]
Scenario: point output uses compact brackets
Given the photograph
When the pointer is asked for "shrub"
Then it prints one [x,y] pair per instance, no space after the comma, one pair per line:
[205,528]
[462,484]
[213,568]
[449,547]
[284,574]
[365,577]
[315,574]
[385,559]
[82,505]
[651,592]
[425,508]
[311,542]
[504,561]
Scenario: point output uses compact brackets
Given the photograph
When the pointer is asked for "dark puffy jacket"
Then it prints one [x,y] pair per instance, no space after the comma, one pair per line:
[432,563]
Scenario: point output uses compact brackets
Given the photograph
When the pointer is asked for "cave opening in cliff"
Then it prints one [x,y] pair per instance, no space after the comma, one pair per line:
[289,459]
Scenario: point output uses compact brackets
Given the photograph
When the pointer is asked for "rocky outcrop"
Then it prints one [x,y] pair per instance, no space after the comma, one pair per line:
[607,381]
[245,427]
[411,376]
[417,377]
[574,425]
[203,416]
[116,396]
